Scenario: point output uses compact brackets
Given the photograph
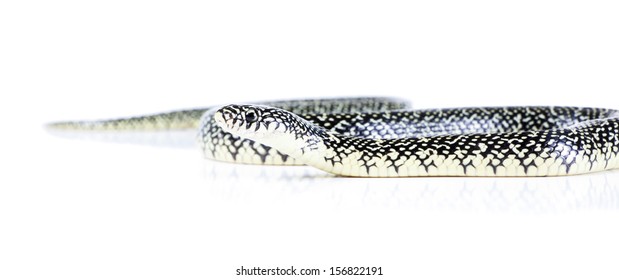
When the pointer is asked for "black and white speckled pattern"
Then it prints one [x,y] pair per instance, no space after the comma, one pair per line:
[191,118]
[374,137]
[219,145]
[175,120]
[509,141]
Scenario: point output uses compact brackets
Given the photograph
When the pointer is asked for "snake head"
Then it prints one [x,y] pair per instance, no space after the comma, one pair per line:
[255,122]
[284,131]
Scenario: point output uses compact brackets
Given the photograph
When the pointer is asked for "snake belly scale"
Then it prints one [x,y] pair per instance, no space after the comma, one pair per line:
[380,137]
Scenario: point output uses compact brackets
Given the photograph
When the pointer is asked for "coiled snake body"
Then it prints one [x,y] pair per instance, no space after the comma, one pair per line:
[377,137]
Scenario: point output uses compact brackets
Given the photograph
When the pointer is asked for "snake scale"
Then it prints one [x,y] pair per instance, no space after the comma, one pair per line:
[382,137]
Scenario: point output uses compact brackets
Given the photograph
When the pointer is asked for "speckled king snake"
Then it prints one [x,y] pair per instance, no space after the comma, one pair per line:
[380,137]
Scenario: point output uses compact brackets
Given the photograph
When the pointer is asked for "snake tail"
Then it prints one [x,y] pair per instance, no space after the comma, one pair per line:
[174,120]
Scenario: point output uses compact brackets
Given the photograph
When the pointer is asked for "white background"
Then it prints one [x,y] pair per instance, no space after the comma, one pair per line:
[87,210]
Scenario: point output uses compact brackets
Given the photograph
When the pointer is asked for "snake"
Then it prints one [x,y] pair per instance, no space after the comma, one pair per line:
[384,137]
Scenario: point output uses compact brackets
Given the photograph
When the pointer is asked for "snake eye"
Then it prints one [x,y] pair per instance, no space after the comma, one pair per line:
[251,117]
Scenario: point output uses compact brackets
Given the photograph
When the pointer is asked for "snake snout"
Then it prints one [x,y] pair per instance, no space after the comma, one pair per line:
[219,118]
[224,118]
[237,119]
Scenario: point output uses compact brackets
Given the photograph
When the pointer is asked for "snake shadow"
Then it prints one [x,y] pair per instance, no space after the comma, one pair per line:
[305,185]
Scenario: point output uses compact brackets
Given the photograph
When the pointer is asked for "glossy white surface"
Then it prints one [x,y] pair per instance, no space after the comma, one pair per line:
[73,209]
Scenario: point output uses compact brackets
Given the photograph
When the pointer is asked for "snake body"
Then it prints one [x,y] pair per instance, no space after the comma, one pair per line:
[379,137]
[506,141]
